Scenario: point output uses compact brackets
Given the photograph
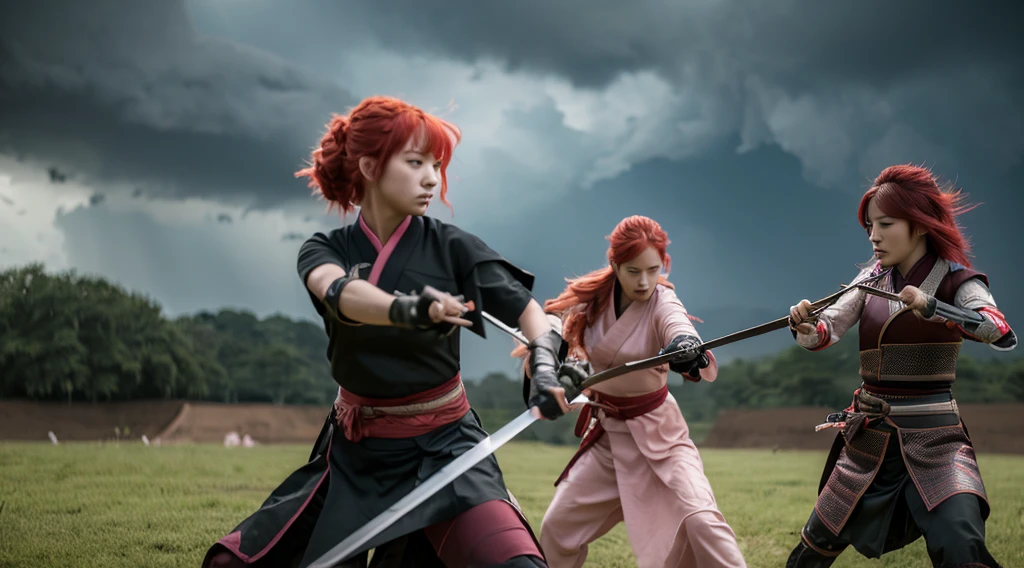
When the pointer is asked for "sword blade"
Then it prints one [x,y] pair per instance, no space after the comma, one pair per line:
[667,357]
[354,543]
[511,331]
[817,307]
[880,293]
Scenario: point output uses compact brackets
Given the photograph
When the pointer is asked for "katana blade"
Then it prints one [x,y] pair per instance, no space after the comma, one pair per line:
[355,542]
[880,293]
[515,333]
[607,374]
[816,308]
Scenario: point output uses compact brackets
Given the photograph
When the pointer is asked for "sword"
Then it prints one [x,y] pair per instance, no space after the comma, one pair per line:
[969,320]
[816,308]
[355,541]
[498,324]
[879,292]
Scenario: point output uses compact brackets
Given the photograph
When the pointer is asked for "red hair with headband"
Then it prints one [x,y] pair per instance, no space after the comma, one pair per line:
[912,193]
[377,128]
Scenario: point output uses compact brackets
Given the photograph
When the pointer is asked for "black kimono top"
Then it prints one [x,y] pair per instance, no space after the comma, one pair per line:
[389,362]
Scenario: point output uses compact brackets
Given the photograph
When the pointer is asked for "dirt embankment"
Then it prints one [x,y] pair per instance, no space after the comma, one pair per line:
[169,421]
[25,420]
[994,428]
[266,423]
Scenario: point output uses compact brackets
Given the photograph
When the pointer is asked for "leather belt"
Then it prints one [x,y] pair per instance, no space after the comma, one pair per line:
[924,409]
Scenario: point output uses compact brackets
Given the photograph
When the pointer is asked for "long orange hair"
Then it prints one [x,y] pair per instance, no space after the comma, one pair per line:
[585,298]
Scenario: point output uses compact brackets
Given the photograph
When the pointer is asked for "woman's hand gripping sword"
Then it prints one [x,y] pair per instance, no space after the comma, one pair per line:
[357,541]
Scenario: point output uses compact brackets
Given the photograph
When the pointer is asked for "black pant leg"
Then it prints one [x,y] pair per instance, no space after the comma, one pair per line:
[954,531]
[818,547]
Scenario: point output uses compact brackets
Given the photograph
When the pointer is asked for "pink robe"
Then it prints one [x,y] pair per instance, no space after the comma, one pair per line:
[645,471]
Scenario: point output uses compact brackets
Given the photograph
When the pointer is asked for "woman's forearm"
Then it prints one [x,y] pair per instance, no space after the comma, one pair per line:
[360,301]
[533,322]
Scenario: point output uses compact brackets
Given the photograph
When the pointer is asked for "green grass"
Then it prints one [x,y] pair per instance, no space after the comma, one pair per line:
[106,505]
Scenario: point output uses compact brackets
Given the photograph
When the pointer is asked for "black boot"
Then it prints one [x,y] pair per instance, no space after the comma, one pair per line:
[804,556]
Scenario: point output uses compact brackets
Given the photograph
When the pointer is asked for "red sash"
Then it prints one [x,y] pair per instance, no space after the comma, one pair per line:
[361,417]
[618,407]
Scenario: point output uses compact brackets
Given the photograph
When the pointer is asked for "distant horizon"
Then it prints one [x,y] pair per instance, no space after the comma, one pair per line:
[491,356]
[163,157]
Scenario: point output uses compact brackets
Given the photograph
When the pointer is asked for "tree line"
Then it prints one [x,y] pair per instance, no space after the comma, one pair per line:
[80,338]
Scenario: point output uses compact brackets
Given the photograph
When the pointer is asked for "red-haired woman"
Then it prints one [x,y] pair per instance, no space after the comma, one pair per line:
[636,462]
[903,465]
[393,289]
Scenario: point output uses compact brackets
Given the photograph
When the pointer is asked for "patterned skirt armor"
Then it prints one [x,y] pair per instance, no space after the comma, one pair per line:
[940,460]
[851,475]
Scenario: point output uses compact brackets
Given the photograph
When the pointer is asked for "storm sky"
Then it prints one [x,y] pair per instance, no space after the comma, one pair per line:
[154,143]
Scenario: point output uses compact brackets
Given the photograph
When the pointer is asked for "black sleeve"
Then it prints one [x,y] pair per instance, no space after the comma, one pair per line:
[502,289]
[317,250]
[503,296]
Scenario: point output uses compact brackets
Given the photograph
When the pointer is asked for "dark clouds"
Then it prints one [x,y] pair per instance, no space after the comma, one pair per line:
[185,263]
[56,176]
[747,129]
[845,87]
[741,261]
[800,44]
[129,92]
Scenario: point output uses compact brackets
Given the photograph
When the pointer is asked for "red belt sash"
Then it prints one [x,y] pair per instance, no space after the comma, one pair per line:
[618,407]
[363,417]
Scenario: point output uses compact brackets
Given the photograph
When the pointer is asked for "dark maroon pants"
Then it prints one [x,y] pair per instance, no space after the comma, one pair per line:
[491,534]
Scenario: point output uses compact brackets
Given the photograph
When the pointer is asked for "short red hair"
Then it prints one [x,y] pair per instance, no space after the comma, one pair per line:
[913,193]
[378,127]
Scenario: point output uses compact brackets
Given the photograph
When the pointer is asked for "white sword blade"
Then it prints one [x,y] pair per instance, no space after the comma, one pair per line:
[511,331]
[447,474]
[346,548]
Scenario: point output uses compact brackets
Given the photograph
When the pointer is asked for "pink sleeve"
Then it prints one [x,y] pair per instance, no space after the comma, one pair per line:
[671,320]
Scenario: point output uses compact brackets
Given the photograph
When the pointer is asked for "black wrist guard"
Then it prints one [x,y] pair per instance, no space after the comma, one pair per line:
[332,298]
[544,365]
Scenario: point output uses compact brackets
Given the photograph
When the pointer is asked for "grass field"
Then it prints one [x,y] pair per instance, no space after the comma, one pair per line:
[106,505]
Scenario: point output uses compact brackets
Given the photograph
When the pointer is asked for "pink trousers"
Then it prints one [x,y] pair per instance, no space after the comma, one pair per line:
[646,472]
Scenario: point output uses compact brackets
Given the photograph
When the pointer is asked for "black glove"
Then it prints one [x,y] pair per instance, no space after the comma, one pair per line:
[691,358]
[571,375]
[412,311]
[544,365]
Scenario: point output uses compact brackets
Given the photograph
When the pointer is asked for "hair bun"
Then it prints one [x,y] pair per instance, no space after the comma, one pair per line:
[329,160]
[333,142]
